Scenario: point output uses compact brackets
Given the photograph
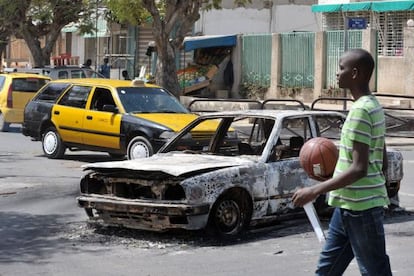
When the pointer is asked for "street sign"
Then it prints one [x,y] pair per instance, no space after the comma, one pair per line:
[357,23]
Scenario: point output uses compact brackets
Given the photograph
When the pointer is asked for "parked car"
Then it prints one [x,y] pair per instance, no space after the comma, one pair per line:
[64,72]
[245,174]
[115,116]
[16,89]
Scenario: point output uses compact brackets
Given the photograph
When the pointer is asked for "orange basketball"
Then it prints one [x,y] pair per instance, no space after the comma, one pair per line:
[318,158]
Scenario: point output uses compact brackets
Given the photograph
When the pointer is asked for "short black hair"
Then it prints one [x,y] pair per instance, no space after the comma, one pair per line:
[363,60]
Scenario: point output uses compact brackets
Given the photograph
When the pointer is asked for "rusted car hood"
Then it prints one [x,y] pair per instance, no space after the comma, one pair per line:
[175,164]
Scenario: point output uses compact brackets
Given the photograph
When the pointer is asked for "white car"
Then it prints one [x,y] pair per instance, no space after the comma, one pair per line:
[243,174]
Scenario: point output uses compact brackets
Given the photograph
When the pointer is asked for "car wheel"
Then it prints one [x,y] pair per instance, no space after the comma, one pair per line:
[4,126]
[322,207]
[139,147]
[230,215]
[52,144]
[392,188]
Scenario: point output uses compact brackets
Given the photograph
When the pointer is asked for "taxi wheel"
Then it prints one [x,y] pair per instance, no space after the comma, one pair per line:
[3,125]
[52,144]
[139,147]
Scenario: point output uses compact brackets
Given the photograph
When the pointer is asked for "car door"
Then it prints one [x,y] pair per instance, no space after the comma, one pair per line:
[101,128]
[284,173]
[69,113]
[23,90]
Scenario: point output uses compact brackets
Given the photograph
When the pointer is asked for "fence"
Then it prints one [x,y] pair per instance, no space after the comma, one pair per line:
[256,59]
[335,48]
[297,59]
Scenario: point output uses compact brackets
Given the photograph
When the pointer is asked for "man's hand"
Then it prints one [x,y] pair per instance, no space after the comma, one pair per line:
[303,196]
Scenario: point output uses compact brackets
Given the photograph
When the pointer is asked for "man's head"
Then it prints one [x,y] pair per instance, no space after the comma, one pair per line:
[355,68]
[106,60]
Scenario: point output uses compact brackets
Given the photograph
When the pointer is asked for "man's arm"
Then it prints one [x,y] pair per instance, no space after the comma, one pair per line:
[357,170]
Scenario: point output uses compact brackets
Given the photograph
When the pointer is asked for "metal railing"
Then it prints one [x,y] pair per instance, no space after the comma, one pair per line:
[399,120]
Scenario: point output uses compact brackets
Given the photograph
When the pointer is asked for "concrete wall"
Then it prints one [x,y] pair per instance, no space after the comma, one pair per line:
[390,70]
[289,18]
[233,21]
[395,75]
[259,17]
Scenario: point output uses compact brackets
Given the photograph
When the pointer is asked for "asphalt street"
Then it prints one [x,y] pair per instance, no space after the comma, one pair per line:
[43,232]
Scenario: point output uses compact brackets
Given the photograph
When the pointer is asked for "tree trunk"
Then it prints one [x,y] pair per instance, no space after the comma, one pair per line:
[3,46]
[35,49]
[166,69]
[41,56]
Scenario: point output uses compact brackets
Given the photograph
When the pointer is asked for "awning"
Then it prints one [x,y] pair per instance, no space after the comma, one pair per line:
[383,6]
[206,41]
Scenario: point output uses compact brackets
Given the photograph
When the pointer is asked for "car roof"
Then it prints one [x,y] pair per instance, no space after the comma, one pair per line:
[25,75]
[271,113]
[99,81]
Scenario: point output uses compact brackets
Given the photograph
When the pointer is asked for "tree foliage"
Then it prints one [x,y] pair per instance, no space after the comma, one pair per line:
[171,21]
[9,14]
[39,22]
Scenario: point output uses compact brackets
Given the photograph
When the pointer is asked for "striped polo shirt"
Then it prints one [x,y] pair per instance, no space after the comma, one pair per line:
[365,123]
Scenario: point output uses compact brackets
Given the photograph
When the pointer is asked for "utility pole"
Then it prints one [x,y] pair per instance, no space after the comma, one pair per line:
[346,23]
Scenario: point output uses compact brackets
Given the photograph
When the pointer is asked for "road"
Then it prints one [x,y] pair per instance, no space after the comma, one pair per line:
[43,232]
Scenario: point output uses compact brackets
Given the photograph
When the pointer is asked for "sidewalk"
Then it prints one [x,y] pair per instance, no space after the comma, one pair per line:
[397,141]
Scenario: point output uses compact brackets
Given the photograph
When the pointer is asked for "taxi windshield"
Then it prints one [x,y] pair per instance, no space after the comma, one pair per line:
[149,100]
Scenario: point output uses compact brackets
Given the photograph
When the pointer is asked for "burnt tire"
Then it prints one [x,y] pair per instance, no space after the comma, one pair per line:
[230,215]
[393,189]
[52,144]
[139,147]
[4,126]
[116,156]
[322,207]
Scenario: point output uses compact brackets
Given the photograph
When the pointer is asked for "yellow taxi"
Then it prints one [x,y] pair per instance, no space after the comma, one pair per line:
[115,116]
[16,89]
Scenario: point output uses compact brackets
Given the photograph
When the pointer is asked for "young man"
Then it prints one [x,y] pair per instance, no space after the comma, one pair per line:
[105,69]
[357,188]
[87,64]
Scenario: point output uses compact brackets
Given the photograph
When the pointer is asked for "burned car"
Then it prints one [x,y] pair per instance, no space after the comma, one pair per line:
[244,174]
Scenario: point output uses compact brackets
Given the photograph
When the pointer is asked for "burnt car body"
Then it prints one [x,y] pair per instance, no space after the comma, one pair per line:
[244,175]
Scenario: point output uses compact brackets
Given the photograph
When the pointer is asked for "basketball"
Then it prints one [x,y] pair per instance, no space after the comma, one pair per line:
[318,158]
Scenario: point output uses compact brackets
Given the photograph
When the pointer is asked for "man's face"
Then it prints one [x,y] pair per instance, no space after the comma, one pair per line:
[344,76]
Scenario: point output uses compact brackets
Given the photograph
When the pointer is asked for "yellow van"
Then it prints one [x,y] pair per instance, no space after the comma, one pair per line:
[16,90]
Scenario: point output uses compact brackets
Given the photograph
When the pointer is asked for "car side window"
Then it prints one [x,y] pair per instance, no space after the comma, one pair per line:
[294,133]
[100,98]
[329,126]
[76,96]
[51,92]
[77,74]
[2,78]
[63,75]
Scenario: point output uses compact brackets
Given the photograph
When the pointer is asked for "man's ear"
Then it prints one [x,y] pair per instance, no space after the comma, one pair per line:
[354,73]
